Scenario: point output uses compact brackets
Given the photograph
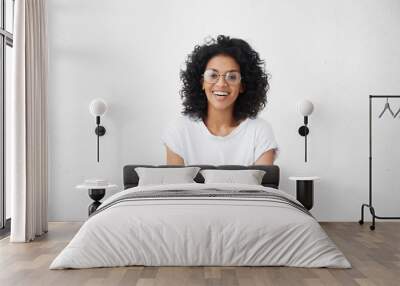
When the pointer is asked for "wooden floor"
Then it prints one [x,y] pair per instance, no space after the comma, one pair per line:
[375,257]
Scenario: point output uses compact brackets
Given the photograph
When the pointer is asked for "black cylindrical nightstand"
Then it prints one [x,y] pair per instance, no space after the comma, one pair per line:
[96,193]
[305,190]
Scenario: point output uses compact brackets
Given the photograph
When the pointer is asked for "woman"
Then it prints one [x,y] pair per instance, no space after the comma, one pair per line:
[224,88]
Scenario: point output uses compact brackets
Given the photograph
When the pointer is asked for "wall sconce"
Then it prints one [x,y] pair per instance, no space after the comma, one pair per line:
[305,108]
[97,108]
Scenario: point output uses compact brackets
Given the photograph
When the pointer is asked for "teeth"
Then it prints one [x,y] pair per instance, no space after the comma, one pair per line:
[220,93]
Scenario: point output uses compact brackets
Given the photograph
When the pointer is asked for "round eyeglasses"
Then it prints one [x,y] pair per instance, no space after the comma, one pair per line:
[231,77]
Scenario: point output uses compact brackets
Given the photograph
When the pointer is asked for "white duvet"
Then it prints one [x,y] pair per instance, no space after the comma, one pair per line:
[200,231]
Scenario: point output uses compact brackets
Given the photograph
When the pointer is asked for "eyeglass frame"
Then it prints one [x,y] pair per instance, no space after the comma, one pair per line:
[224,76]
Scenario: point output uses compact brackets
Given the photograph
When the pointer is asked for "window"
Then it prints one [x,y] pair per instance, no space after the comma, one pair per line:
[6,44]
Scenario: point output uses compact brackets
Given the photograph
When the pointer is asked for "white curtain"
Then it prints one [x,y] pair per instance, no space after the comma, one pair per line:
[28,122]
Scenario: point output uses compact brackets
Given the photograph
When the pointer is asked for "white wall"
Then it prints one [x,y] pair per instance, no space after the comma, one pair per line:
[335,53]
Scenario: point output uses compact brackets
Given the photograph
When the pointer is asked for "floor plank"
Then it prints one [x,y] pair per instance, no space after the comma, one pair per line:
[374,255]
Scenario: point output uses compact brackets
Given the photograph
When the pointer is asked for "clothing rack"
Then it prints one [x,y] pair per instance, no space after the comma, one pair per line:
[370,206]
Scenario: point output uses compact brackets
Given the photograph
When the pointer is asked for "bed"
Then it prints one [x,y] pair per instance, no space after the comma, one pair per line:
[201,224]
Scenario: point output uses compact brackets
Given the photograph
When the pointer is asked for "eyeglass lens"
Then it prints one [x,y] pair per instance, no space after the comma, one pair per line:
[212,76]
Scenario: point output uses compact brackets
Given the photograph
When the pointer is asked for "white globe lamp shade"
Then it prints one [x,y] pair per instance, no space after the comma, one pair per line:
[97,107]
[305,107]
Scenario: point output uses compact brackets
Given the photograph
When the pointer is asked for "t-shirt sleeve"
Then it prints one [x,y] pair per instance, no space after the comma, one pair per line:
[265,140]
[172,137]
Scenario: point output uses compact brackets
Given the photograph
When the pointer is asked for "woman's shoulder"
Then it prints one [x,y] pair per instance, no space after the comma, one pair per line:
[259,123]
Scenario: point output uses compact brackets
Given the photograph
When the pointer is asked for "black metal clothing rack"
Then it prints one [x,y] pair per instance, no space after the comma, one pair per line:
[369,205]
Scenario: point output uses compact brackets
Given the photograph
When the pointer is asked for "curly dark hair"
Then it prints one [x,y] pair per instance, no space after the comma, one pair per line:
[254,78]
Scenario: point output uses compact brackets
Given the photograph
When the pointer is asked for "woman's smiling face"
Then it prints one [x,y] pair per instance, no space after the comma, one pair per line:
[222,94]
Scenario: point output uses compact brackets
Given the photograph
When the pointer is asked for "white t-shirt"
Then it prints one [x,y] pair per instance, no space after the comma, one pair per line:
[192,140]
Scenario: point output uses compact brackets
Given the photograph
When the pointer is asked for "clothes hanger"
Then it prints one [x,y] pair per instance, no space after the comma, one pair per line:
[398,111]
[387,107]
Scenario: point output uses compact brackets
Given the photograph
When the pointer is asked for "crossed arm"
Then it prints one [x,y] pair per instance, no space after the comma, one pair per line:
[267,158]
[173,158]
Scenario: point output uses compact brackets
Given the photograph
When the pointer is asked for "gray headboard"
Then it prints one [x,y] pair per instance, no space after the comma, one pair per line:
[270,179]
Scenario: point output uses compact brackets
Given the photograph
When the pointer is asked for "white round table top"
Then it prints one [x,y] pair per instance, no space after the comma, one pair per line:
[304,178]
[92,187]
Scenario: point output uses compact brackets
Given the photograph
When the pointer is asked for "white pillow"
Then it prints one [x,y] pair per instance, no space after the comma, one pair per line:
[248,177]
[164,176]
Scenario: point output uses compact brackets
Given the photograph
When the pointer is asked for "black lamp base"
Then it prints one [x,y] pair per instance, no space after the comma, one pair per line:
[303,130]
[100,130]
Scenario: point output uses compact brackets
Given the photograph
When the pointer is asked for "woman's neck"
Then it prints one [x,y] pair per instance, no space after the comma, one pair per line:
[220,123]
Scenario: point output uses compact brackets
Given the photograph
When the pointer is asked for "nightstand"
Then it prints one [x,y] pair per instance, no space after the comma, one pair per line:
[305,190]
[96,193]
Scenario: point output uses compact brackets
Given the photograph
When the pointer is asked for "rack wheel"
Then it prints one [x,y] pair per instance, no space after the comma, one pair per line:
[372,227]
[361,222]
